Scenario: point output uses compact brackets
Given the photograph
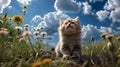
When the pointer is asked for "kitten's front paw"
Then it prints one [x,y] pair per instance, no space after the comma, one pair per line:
[66,57]
[75,57]
[76,54]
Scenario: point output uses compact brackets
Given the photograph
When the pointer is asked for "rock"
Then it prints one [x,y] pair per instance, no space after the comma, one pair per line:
[84,61]
[49,53]
[64,63]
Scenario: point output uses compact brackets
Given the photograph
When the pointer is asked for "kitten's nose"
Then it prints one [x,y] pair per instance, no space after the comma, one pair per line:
[69,24]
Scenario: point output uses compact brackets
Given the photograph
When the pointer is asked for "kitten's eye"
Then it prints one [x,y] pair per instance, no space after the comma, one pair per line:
[65,23]
[72,22]
[69,20]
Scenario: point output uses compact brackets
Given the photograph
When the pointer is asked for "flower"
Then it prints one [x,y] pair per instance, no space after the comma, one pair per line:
[5,17]
[37,64]
[110,46]
[18,19]
[43,34]
[1,22]
[46,61]
[4,29]
[118,38]
[37,29]
[22,40]
[109,37]
[118,55]
[24,11]
[26,28]
[26,25]
[26,33]
[41,27]
[36,33]
[18,28]
[3,32]
[24,6]
[92,38]
[10,18]
[103,35]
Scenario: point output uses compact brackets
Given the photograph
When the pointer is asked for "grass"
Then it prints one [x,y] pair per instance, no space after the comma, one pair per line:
[17,50]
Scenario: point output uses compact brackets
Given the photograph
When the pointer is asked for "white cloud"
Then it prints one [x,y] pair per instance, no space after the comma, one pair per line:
[115,15]
[96,1]
[114,7]
[90,30]
[102,14]
[112,4]
[73,6]
[27,2]
[51,21]
[10,7]
[87,9]
[4,4]
[37,18]
[109,5]
[118,28]
[111,11]
[106,30]
[67,5]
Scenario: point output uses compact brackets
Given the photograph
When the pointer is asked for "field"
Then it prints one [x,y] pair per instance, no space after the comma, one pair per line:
[18,49]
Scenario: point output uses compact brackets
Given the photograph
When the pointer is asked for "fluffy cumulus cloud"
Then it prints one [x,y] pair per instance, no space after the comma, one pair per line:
[102,14]
[113,8]
[118,28]
[96,1]
[67,5]
[27,2]
[115,15]
[87,9]
[4,4]
[51,21]
[109,5]
[112,4]
[72,6]
[90,30]
[106,30]
[37,18]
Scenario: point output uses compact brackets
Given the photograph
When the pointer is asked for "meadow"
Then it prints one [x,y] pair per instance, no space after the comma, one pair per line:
[18,49]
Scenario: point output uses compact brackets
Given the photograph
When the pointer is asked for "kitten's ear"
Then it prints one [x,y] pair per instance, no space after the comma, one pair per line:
[61,21]
[77,19]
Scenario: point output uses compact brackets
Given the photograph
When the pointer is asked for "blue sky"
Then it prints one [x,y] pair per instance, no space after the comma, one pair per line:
[96,16]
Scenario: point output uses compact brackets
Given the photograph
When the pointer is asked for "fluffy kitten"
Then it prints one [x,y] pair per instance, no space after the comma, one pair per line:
[69,44]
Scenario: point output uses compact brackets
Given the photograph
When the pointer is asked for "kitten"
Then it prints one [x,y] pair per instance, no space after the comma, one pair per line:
[69,44]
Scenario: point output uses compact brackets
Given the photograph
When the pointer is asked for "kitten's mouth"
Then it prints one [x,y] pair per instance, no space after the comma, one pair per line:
[70,28]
